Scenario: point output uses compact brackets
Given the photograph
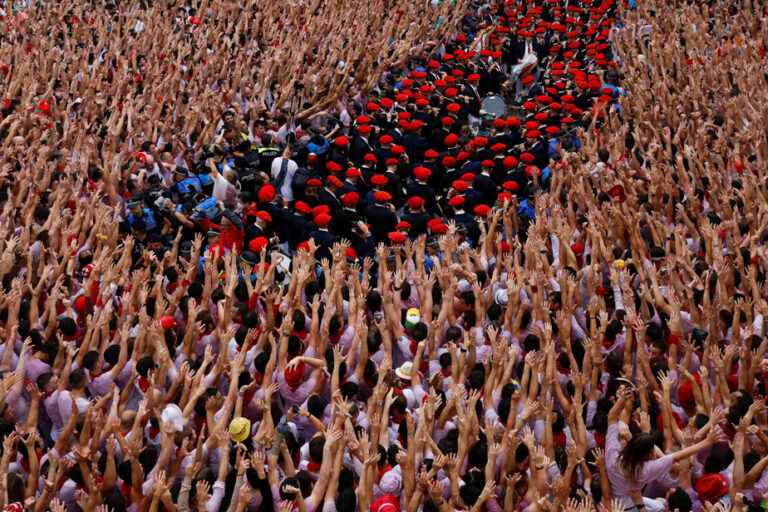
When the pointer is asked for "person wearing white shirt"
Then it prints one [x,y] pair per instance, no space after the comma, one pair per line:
[284,183]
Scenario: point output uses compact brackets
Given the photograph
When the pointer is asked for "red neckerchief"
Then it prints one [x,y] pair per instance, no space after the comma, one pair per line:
[143,384]
[313,466]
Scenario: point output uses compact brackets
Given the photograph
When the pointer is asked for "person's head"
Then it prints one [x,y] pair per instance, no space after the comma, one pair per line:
[679,500]
[638,450]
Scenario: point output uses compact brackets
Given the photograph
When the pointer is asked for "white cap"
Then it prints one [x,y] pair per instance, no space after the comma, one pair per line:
[172,414]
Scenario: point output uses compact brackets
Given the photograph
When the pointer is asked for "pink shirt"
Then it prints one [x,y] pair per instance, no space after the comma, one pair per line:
[622,485]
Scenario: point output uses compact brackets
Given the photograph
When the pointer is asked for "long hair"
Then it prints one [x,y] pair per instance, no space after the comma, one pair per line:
[635,453]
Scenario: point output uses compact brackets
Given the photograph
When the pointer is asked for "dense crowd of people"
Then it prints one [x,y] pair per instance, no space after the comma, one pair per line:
[291,256]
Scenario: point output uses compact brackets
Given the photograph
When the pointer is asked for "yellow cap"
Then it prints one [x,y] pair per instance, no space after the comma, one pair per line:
[239,429]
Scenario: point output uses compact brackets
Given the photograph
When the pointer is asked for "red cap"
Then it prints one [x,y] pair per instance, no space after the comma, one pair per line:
[511,185]
[372,107]
[379,180]
[456,201]
[447,121]
[499,123]
[166,322]
[334,181]
[257,244]
[266,193]
[396,237]
[482,210]
[453,108]
[364,129]
[498,147]
[431,154]
[577,248]
[415,202]
[386,139]
[460,185]
[81,304]
[294,375]
[322,220]
[710,487]
[448,162]
[302,207]
[341,142]
[527,157]
[265,216]
[332,166]
[386,503]
[314,182]
[422,173]
[353,172]
[386,103]
[487,163]
[451,140]
[321,208]
[363,120]
[403,224]
[509,162]
[370,158]
[382,197]
[350,199]
[513,122]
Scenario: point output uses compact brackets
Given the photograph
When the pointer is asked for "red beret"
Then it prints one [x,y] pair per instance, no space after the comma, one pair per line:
[447,121]
[456,201]
[499,123]
[415,202]
[353,172]
[711,487]
[332,166]
[433,64]
[266,193]
[553,130]
[265,216]
[487,163]
[322,220]
[480,141]
[314,182]
[321,208]
[498,147]
[379,180]
[448,162]
[364,129]
[382,197]
[396,237]
[482,209]
[372,107]
[403,115]
[350,253]
[403,224]
[468,176]
[437,226]
[451,92]
[370,157]
[391,161]
[257,244]
[530,106]
[341,142]
[509,162]
[386,103]
[541,116]
[504,196]
[397,149]
[532,170]
[474,77]
[363,120]
[422,173]
[302,207]
[336,182]
[513,122]
[422,102]
[511,185]
[386,139]
[577,248]
[532,134]
[460,185]
[303,246]
[350,199]
[166,322]
[431,154]
[453,108]
[451,139]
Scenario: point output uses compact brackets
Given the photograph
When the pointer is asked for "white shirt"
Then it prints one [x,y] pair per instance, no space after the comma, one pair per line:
[286,190]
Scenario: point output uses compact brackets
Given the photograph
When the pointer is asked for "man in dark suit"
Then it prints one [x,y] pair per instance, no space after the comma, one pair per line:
[381,216]
[323,238]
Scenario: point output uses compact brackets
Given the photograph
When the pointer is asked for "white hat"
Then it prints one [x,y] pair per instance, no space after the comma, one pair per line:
[501,297]
[391,481]
[172,414]
[405,371]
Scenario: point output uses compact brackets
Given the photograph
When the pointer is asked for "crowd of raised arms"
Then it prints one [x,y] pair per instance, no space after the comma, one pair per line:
[380,256]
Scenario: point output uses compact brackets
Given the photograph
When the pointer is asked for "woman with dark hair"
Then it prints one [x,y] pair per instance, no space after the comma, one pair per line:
[634,463]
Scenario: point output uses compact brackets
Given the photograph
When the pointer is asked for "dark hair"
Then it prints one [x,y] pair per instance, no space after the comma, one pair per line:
[635,453]
[679,500]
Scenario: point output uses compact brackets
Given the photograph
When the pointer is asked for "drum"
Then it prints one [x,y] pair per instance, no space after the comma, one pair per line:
[493,106]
